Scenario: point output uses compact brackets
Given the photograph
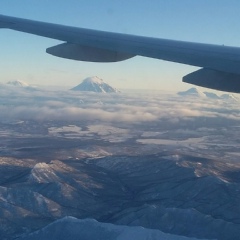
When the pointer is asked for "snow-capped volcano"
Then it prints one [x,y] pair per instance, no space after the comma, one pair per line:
[192,92]
[94,84]
[17,83]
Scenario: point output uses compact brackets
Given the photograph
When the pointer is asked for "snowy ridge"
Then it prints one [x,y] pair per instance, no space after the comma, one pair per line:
[94,79]
[26,202]
[228,97]
[72,228]
[212,95]
[17,83]
[42,173]
[95,84]
[194,92]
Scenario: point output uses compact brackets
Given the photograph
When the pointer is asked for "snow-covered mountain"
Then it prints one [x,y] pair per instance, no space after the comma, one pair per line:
[194,92]
[71,228]
[95,84]
[17,83]
[227,96]
[212,95]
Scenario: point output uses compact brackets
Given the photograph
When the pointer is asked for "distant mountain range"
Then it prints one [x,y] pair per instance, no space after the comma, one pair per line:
[17,83]
[95,84]
[194,92]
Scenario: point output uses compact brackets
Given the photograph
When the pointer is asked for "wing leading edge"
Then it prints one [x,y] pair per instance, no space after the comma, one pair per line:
[220,64]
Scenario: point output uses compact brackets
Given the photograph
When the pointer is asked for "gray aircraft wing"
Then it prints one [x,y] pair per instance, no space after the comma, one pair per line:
[220,65]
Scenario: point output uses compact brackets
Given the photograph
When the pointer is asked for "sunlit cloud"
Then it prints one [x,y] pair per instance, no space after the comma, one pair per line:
[26,104]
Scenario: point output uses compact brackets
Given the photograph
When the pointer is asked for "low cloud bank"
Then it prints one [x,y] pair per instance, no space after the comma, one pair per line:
[42,105]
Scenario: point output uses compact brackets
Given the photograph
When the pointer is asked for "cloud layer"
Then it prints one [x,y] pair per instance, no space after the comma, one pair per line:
[28,104]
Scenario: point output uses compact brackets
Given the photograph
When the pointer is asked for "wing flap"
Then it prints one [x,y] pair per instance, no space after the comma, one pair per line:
[86,53]
[217,80]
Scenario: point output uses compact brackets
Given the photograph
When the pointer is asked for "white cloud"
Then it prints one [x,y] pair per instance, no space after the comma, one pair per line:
[131,108]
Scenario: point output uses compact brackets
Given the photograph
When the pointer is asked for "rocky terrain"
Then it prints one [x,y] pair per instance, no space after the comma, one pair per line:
[118,164]
[178,194]
[71,228]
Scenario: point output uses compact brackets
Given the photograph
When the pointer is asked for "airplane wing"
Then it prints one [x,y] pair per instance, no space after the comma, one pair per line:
[220,65]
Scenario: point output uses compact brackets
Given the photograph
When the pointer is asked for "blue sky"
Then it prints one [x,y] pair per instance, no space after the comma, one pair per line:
[23,56]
